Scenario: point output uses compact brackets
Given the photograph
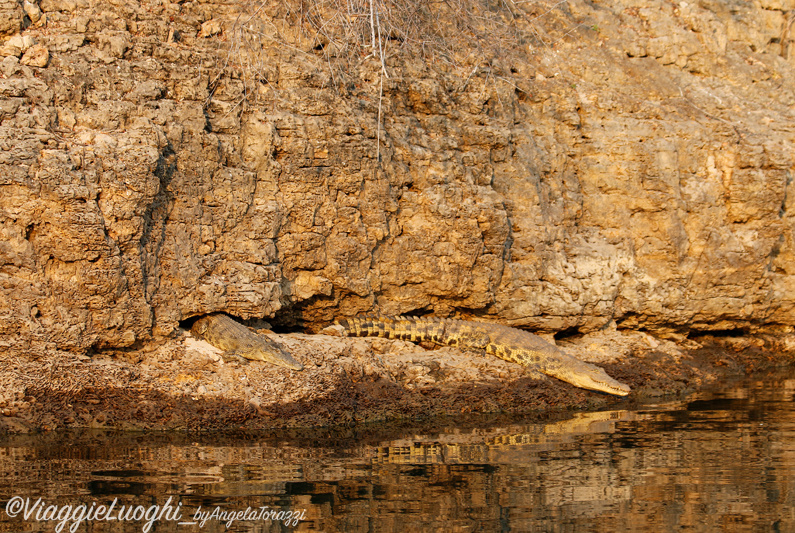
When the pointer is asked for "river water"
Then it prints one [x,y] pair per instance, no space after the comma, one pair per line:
[715,461]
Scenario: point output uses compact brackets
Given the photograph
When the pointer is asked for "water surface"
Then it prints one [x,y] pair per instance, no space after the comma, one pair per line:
[716,461]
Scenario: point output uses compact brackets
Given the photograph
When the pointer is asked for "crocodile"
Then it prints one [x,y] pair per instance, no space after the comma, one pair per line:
[234,338]
[505,342]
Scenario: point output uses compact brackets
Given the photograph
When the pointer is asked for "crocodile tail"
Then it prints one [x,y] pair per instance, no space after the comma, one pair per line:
[368,325]
[415,329]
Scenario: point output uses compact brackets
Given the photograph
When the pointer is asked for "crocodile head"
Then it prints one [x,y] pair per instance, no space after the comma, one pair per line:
[237,341]
[592,377]
[276,355]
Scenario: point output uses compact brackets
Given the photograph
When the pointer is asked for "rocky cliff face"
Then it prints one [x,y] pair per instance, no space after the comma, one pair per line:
[622,161]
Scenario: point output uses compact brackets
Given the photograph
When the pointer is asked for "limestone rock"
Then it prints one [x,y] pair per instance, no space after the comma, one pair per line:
[638,171]
[36,56]
[16,45]
[32,10]
[58,5]
[210,28]
[11,15]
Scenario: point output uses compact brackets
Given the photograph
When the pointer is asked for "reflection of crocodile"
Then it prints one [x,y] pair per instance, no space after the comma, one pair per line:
[496,445]
[505,342]
[236,339]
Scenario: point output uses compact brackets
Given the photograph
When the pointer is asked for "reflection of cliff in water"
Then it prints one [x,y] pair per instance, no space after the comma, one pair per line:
[717,461]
